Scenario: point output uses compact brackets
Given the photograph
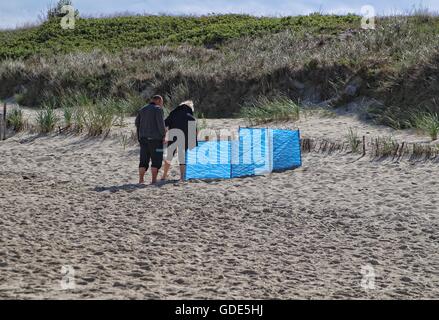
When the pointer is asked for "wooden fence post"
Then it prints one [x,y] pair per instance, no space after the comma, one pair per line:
[402,151]
[364,146]
[4,122]
[1,128]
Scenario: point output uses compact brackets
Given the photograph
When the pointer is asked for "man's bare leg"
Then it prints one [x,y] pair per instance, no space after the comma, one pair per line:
[166,168]
[142,172]
[154,172]
[182,172]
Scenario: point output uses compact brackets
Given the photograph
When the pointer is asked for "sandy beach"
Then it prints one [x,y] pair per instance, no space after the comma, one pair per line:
[337,228]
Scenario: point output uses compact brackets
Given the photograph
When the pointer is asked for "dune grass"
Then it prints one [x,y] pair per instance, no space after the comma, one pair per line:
[46,120]
[428,122]
[265,110]
[353,140]
[15,119]
[385,146]
[98,119]
[94,115]
[68,113]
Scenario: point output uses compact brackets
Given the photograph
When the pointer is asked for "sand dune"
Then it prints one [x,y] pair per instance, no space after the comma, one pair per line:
[314,232]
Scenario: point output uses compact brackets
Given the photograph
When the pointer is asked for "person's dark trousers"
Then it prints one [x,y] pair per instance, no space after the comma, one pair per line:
[151,151]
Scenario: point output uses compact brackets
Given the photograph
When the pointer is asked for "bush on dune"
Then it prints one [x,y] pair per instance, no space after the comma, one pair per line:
[118,33]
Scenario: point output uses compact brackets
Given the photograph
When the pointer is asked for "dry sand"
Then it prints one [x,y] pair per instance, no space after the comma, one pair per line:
[309,233]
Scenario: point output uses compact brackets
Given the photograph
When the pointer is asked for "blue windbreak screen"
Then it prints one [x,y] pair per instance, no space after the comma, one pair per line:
[256,152]
[286,149]
[251,153]
[209,160]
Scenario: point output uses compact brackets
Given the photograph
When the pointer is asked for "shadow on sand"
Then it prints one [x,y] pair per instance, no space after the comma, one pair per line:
[133,187]
[125,187]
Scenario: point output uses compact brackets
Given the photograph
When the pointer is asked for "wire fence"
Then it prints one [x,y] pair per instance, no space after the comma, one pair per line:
[376,148]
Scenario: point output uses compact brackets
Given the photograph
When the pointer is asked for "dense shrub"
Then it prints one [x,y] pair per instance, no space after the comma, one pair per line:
[118,33]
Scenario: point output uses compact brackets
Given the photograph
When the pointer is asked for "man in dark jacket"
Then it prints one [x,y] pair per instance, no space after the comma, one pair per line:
[181,124]
[151,133]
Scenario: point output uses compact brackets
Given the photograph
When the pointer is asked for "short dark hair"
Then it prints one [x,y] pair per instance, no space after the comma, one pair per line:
[156,97]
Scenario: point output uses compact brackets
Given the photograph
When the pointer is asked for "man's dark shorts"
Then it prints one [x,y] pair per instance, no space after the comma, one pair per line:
[151,150]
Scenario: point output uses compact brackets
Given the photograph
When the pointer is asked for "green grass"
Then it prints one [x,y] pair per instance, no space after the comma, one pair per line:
[132,104]
[15,119]
[353,140]
[96,116]
[119,33]
[77,119]
[68,116]
[266,110]
[428,122]
[98,119]
[46,120]
[385,146]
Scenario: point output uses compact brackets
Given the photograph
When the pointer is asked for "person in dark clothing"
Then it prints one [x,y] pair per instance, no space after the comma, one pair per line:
[151,133]
[181,124]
